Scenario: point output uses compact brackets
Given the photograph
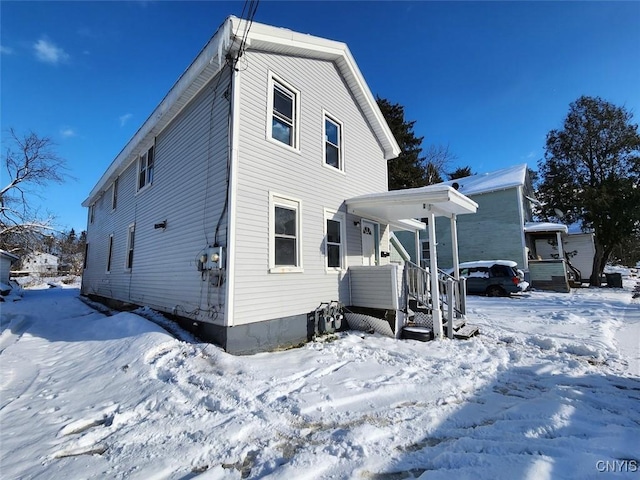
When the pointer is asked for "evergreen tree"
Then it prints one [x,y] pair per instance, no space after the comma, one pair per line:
[460,172]
[591,172]
[407,170]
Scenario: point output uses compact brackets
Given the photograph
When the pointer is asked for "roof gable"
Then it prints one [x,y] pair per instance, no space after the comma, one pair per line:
[211,60]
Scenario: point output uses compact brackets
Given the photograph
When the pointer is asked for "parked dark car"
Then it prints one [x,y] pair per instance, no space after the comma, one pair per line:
[494,278]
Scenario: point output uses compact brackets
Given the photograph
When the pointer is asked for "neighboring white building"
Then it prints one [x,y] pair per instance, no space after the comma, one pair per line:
[232,204]
[39,262]
[6,260]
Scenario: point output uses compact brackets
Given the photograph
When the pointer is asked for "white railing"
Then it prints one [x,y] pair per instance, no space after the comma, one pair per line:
[452,293]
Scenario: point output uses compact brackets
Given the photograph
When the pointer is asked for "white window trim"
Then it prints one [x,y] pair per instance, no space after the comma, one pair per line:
[339,217]
[145,154]
[276,199]
[130,228]
[273,79]
[114,194]
[332,118]
[109,265]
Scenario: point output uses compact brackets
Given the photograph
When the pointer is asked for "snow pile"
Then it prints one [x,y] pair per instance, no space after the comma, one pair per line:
[550,390]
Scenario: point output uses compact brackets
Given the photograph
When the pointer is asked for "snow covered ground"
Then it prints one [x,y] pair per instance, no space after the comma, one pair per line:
[551,389]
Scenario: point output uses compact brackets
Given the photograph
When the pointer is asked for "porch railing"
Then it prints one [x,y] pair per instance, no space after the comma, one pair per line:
[452,293]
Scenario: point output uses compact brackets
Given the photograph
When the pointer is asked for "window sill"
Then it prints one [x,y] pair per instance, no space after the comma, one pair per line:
[143,189]
[284,145]
[333,169]
[286,270]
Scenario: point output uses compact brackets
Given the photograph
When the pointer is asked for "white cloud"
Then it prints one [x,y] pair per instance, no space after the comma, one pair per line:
[68,132]
[6,50]
[47,52]
[125,118]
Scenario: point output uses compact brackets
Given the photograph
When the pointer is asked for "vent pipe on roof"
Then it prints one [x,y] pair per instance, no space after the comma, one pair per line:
[456,185]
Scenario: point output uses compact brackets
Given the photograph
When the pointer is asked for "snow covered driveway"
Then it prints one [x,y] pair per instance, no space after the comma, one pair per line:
[551,389]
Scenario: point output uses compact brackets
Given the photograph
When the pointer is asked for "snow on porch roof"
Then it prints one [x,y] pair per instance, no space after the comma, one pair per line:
[541,227]
[399,205]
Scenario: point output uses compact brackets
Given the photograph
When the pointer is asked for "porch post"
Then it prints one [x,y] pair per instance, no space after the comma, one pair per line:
[454,247]
[418,247]
[436,313]
[560,249]
[456,266]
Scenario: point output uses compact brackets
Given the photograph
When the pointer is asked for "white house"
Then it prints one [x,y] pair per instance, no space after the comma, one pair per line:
[40,262]
[6,260]
[252,191]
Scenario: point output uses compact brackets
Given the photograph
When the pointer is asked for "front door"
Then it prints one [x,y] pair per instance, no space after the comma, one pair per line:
[369,242]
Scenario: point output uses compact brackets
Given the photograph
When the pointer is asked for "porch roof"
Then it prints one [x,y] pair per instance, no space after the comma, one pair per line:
[544,227]
[398,207]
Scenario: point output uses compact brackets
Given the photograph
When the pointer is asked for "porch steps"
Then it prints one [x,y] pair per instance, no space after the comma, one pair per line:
[466,332]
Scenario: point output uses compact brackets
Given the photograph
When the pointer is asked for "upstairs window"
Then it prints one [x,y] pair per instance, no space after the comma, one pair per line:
[284,113]
[130,241]
[110,253]
[114,194]
[145,168]
[92,209]
[332,143]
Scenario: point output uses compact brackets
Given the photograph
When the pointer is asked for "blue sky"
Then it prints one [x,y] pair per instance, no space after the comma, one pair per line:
[488,79]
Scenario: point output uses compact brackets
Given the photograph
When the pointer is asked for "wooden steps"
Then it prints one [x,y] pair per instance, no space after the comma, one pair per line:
[466,332]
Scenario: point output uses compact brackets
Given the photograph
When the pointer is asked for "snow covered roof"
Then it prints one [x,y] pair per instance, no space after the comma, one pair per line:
[532,227]
[211,60]
[491,181]
[11,256]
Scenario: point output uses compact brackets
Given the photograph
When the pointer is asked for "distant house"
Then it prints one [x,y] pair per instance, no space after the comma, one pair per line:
[503,228]
[6,260]
[41,263]
[255,193]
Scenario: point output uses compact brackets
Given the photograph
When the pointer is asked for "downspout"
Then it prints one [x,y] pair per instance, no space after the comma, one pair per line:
[234,134]
[523,239]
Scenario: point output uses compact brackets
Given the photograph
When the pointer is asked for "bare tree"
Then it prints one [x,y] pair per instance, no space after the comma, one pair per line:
[438,158]
[30,162]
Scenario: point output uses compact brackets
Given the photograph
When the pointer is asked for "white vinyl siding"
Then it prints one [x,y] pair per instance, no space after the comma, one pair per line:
[265,165]
[191,155]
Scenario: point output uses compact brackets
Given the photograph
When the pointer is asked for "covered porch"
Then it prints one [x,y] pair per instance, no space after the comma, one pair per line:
[548,264]
[412,290]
